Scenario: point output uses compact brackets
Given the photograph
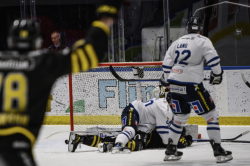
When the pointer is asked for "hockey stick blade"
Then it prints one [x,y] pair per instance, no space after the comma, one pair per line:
[123,79]
[224,140]
[240,135]
[245,81]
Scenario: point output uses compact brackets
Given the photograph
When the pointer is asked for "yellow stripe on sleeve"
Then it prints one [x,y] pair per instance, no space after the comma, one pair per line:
[97,141]
[77,44]
[92,55]
[102,26]
[19,130]
[74,63]
[83,59]
[93,143]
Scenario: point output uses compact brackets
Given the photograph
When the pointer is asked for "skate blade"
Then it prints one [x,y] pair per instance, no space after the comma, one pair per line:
[118,151]
[223,159]
[171,158]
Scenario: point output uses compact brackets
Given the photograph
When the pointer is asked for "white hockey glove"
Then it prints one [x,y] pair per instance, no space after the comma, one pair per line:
[215,79]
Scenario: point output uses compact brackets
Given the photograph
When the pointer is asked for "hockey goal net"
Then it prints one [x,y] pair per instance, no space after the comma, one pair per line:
[98,98]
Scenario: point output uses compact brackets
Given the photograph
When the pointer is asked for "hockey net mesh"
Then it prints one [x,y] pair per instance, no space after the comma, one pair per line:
[99,98]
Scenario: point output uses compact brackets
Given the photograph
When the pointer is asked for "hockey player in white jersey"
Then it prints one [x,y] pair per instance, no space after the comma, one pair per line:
[183,70]
[155,113]
[148,134]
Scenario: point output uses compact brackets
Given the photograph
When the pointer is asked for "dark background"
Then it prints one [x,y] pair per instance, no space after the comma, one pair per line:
[72,18]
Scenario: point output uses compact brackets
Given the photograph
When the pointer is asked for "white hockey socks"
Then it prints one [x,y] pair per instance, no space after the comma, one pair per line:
[126,134]
[177,126]
[213,127]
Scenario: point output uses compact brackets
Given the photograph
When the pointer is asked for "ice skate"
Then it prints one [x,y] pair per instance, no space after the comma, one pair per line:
[74,140]
[220,154]
[118,148]
[171,152]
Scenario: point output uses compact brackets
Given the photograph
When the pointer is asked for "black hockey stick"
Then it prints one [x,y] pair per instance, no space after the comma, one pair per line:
[234,141]
[123,79]
[227,140]
[244,79]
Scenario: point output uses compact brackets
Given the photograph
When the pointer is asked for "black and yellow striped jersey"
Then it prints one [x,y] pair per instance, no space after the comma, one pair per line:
[26,80]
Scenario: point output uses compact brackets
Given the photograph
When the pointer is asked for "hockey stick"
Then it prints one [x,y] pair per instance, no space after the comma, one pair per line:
[123,79]
[244,79]
[226,140]
[234,141]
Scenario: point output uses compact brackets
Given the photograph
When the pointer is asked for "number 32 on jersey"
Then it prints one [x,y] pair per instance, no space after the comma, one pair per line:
[15,92]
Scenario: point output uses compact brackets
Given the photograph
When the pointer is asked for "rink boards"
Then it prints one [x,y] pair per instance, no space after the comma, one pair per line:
[231,97]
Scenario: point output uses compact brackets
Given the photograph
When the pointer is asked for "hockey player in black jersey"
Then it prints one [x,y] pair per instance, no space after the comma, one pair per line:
[27,75]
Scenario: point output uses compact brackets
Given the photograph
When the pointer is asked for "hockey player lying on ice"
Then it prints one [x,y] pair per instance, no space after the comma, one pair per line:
[144,125]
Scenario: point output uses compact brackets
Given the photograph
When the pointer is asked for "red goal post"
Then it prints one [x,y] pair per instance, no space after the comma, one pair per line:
[97,98]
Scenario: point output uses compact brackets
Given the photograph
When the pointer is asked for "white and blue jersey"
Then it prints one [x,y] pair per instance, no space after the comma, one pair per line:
[184,60]
[156,113]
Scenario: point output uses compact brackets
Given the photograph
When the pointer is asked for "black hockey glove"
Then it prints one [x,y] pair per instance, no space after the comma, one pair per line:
[216,79]
[143,137]
[182,143]
[189,140]
[105,147]
[163,82]
[109,8]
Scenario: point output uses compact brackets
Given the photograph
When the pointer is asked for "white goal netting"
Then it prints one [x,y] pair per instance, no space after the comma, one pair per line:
[99,98]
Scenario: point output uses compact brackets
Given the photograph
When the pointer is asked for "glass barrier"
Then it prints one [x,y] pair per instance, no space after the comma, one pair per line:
[144,29]
[225,23]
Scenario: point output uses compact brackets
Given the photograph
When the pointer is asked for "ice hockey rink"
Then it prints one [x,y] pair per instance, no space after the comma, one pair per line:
[51,150]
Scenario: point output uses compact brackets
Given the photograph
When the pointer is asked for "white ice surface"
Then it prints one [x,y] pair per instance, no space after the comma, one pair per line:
[51,150]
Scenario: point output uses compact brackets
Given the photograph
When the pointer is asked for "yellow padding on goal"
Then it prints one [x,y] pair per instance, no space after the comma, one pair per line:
[86,120]
[116,120]
[223,120]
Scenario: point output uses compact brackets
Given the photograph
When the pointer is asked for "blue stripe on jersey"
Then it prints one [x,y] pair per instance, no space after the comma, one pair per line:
[178,82]
[177,132]
[162,127]
[162,132]
[212,123]
[179,127]
[126,135]
[213,59]
[127,132]
[166,71]
[166,67]
[213,128]
[214,64]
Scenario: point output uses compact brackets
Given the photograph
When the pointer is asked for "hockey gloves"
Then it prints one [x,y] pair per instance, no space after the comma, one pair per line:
[215,79]
[105,147]
[163,81]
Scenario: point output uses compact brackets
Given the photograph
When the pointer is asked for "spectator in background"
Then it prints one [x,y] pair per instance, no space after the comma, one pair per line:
[57,47]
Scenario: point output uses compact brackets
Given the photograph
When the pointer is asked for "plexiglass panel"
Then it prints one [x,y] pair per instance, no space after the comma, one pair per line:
[144,29]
